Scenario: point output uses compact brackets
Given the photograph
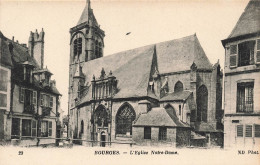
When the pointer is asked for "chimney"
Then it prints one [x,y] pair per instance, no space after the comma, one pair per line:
[36,47]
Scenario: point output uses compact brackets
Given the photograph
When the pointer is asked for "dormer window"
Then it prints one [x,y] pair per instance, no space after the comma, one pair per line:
[246,53]
[77,45]
[27,74]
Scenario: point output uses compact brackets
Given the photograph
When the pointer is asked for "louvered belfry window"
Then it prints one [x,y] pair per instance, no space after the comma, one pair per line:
[77,46]
[124,119]
[245,97]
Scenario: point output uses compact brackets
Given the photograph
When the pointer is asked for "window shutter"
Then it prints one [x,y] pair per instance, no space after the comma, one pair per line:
[50,128]
[258,51]
[34,132]
[51,101]
[248,130]
[21,95]
[233,56]
[40,128]
[257,130]
[41,99]
[34,97]
[239,130]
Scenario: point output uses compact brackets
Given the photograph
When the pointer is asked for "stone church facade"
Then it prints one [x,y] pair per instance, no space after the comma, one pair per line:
[166,93]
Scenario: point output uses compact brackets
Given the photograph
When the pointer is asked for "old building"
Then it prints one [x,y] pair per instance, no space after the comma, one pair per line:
[242,80]
[5,86]
[165,93]
[29,98]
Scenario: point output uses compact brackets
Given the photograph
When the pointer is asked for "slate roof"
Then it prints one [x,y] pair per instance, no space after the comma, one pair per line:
[159,117]
[249,21]
[179,54]
[132,68]
[16,58]
[87,15]
[176,96]
[5,55]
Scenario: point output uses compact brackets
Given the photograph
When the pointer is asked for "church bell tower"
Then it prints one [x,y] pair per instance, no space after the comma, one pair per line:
[86,44]
[87,39]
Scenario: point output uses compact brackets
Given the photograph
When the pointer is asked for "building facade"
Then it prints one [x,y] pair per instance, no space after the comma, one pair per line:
[30,97]
[242,80]
[113,98]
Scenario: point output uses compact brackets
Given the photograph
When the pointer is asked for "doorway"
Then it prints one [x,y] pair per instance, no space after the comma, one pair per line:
[103,139]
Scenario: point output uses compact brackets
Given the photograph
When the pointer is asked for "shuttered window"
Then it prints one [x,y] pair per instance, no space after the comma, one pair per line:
[248,130]
[257,130]
[233,56]
[162,133]
[239,130]
[258,51]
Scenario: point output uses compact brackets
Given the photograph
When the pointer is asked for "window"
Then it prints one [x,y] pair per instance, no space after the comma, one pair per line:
[26,127]
[162,133]
[257,130]
[179,110]
[101,116]
[44,129]
[245,94]
[124,119]
[77,45]
[147,132]
[50,128]
[258,51]
[202,103]
[34,128]
[46,100]
[246,53]
[34,97]
[178,87]
[96,49]
[15,128]
[100,49]
[248,131]
[239,130]
[3,88]
[51,101]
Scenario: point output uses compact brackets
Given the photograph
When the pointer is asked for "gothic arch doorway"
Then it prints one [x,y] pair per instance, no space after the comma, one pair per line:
[202,103]
[103,139]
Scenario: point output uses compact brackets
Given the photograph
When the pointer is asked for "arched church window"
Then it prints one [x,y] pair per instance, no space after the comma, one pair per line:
[100,49]
[202,103]
[77,46]
[101,116]
[96,49]
[178,87]
[124,119]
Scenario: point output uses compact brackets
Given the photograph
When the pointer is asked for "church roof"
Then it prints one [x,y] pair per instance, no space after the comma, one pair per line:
[132,68]
[177,96]
[179,54]
[87,15]
[5,55]
[159,117]
[249,21]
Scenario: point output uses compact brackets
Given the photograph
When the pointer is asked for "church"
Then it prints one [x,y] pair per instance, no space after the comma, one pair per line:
[166,93]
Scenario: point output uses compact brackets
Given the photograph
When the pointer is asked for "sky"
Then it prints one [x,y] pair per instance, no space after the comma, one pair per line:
[148,21]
